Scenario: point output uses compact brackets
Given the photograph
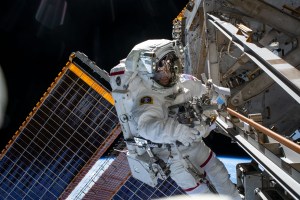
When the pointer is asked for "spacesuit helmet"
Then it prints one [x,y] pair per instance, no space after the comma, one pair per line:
[158,63]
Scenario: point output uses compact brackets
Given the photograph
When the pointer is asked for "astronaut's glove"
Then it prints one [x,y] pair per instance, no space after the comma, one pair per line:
[199,131]
[210,128]
[187,138]
[204,130]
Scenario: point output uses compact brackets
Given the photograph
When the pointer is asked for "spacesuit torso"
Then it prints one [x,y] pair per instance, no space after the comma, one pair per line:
[151,109]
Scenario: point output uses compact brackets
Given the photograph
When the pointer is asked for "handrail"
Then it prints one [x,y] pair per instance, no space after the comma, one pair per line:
[293,146]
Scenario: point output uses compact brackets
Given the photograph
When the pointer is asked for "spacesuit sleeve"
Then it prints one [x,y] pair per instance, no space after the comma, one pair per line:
[153,122]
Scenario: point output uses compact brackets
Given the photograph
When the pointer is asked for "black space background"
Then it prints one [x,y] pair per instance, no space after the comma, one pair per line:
[32,55]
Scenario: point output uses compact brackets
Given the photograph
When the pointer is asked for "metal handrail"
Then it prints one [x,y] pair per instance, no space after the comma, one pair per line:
[290,144]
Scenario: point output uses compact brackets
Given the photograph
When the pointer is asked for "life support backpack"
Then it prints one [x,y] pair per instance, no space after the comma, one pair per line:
[124,86]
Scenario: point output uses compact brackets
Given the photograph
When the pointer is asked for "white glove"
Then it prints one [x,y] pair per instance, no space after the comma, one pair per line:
[204,130]
[213,126]
[187,138]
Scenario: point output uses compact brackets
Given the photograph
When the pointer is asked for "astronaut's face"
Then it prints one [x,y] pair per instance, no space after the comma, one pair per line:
[163,74]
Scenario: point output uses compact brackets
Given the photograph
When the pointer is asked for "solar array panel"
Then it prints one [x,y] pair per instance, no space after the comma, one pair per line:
[135,189]
[66,128]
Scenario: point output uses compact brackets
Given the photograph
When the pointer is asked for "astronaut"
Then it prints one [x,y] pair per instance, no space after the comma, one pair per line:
[156,86]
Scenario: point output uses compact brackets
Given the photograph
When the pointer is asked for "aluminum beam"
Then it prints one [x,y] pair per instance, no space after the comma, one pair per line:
[284,74]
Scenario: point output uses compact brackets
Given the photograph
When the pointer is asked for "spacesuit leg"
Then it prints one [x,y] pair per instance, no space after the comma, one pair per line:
[219,177]
[186,181]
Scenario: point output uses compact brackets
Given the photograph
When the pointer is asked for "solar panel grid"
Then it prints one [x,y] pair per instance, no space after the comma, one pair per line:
[118,174]
[106,183]
[135,189]
[124,194]
[55,142]
[19,169]
[94,193]
[112,178]
[114,173]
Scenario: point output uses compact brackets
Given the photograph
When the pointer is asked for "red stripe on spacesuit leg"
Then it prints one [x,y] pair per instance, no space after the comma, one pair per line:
[207,160]
[190,189]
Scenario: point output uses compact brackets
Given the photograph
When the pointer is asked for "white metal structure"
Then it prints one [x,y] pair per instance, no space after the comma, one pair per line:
[252,47]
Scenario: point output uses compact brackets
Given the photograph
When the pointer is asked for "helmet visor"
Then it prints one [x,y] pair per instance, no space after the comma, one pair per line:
[166,69]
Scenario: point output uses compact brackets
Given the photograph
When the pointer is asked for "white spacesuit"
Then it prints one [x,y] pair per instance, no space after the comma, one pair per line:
[154,87]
